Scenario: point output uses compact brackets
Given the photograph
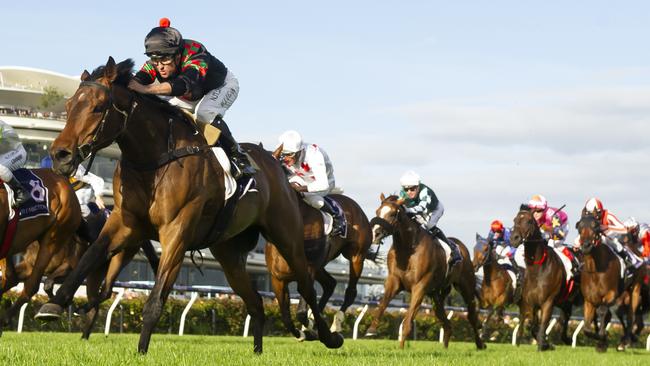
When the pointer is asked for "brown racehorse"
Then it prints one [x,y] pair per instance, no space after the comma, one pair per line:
[53,232]
[497,290]
[631,241]
[417,263]
[353,247]
[544,282]
[170,187]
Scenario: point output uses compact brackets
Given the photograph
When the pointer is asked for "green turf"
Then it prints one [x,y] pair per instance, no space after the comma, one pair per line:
[68,349]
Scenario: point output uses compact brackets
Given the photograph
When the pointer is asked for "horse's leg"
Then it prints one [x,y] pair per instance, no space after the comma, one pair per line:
[544,319]
[565,315]
[439,308]
[466,289]
[47,248]
[282,295]
[93,285]
[356,267]
[290,245]
[525,313]
[603,315]
[417,294]
[589,316]
[485,332]
[392,286]
[233,262]
[328,283]
[114,236]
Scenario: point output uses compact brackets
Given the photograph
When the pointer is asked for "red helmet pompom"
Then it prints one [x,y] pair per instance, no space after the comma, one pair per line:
[164,22]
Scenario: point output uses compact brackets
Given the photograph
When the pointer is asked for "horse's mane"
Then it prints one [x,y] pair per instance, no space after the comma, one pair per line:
[524,207]
[124,76]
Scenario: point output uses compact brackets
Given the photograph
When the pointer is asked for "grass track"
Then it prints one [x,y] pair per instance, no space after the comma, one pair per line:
[68,349]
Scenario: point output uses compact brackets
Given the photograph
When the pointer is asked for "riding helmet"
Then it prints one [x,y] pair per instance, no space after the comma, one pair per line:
[163,40]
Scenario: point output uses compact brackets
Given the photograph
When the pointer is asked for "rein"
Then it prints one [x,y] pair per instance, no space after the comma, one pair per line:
[383,223]
[172,154]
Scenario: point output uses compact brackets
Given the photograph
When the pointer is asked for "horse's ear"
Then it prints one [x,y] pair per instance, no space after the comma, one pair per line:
[276,153]
[110,70]
[382,197]
[85,75]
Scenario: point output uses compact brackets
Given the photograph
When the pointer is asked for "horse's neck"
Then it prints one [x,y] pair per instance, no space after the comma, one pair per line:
[598,257]
[534,247]
[407,231]
[147,135]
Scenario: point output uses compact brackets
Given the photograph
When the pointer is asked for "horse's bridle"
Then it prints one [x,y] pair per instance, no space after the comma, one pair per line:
[389,227]
[85,150]
[596,241]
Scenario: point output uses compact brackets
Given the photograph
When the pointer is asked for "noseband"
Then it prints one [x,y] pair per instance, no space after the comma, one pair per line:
[389,227]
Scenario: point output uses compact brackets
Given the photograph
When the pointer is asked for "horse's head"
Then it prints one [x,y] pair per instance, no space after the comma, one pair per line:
[590,232]
[481,252]
[525,227]
[97,115]
[385,222]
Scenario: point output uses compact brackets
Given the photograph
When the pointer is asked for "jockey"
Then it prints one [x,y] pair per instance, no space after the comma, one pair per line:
[185,71]
[500,236]
[310,173]
[640,234]
[425,208]
[88,187]
[554,225]
[12,157]
[612,229]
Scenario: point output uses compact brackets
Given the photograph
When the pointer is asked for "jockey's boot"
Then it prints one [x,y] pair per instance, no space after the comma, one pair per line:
[241,166]
[627,258]
[20,194]
[337,223]
[520,284]
[455,253]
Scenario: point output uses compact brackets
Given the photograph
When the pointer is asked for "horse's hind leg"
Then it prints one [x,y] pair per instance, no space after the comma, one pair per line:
[233,262]
[328,283]
[439,307]
[282,295]
[93,284]
[290,246]
[417,294]
[466,289]
[565,315]
[356,267]
[485,332]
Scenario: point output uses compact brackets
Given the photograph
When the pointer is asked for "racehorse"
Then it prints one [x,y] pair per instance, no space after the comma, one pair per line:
[323,249]
[170,187]
[632,242]
[53,232]
[602,285]
[417,263]
[497,288]
[544,282]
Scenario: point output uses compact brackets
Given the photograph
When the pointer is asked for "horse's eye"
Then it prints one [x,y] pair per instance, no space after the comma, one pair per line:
[98,109]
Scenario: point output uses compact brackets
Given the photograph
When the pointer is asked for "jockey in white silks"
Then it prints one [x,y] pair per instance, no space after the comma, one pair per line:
[88,187]
[12,157]
[310,173]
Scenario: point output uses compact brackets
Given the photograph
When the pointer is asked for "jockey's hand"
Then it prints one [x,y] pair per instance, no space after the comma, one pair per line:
[298,188]
[100,202]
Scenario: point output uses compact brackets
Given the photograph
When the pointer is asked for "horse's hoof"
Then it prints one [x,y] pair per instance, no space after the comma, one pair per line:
[481,346]
[310,335]
[49,312]
[335,341]
[601,348]
[301,337]
[621,348]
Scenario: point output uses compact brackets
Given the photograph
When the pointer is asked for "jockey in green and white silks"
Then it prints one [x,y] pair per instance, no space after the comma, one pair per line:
[310,173]
[423,206]
[89,188]
[12,157]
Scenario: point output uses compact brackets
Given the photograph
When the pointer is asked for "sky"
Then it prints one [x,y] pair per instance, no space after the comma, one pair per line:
[490,102]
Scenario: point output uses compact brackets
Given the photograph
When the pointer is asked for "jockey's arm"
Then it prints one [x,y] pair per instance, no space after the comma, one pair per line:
[157,89]
[421,207]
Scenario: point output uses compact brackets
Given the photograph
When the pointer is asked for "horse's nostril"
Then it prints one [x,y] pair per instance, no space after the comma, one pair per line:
[62,155]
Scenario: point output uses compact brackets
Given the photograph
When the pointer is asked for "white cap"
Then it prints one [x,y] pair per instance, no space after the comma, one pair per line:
[291,142]
[409,179]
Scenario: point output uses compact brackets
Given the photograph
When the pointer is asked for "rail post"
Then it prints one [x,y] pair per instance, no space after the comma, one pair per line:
[109,315]
[181,328]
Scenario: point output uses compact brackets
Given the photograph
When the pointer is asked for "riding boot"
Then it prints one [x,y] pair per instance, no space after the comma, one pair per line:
[455,253]
[520,284]
[629,264]
[20,194]
[241,166]
[337,223]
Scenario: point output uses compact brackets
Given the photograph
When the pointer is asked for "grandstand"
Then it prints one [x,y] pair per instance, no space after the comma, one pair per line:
[22,93]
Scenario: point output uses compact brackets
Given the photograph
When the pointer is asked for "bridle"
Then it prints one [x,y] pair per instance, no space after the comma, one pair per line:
[86,150]
[389,227]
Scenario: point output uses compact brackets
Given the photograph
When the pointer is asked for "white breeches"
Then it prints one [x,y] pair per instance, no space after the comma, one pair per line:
[11,161]
[435,216]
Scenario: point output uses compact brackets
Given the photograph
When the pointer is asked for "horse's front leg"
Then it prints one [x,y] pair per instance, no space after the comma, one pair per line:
[392,286]
[547,312]
[417,294]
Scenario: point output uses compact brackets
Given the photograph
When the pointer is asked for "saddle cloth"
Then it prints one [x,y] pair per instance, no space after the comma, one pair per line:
[39,204]
[565,261]
[230,184]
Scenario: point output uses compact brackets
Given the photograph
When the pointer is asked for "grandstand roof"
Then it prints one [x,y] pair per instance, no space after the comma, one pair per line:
[23,87]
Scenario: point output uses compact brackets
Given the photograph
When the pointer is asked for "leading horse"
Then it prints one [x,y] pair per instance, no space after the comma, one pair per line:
[544,282]
[170,187]
[417,263]
[54,234]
